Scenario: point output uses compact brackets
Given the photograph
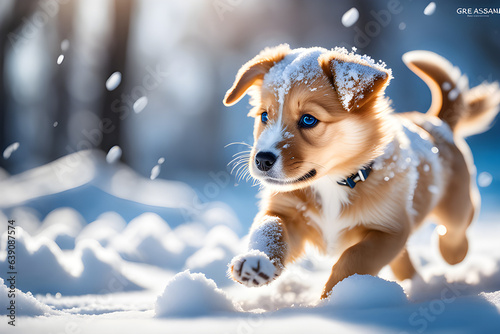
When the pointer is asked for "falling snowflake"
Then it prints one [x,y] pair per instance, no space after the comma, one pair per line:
[350,17]
[114,154]
[113,81]
[10,149]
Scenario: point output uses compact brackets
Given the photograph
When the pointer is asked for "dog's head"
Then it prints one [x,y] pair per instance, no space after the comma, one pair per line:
[317,112]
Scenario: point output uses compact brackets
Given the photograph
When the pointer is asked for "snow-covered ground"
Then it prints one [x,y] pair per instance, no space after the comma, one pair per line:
[165,269]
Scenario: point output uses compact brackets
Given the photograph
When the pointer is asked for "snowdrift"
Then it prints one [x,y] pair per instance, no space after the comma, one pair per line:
[162,271]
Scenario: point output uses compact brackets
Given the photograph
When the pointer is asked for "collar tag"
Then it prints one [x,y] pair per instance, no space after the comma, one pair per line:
[360,176]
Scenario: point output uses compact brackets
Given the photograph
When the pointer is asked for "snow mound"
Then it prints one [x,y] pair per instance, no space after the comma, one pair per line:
[192,234]
[149,239]
[165,252]
[144,225]
[366,291]
[212,262]
[40,257]
[223,236]
[62,235]
[25,303]
[107,226]
[192,295]
[62,225]
[25,217]
[492,297]
[88,269]
[101,272]
[219,213]
[220,245]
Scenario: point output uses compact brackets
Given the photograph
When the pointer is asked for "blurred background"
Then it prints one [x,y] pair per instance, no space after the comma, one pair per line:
[149,76]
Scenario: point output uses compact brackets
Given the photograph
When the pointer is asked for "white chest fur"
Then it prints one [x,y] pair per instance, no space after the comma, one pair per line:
[331,196]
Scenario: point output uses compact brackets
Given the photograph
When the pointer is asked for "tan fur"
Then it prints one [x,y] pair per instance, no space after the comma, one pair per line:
[482,102]
[253,71]
[374,219]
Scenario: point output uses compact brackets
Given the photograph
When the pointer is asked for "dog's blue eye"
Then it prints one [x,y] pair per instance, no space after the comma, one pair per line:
[308,121]
[263,117]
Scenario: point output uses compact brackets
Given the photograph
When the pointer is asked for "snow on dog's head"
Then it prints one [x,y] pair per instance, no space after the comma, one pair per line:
[192,295]
[316,111]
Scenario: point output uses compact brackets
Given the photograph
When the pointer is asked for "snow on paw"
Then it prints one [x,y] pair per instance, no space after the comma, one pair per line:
[253,269]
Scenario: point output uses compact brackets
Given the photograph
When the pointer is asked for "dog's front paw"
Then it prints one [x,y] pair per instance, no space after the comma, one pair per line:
[254,269]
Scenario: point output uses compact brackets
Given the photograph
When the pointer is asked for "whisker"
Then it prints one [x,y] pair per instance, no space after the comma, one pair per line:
[234,167]
[238,159]
[238,172]
[257,183]
[241,162]
[238,165]
[242,153]
[242,167]
[242,175]
[235,160]
[238,143]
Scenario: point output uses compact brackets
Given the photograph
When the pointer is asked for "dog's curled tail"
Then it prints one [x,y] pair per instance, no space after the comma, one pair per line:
[467,111]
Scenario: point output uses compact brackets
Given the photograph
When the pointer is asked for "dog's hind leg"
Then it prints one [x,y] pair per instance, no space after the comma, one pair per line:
[456,211]
[402,267]
[453,243]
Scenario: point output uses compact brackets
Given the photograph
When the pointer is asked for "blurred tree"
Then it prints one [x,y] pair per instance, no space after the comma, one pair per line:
[117,63]
[65,31]
[8,28]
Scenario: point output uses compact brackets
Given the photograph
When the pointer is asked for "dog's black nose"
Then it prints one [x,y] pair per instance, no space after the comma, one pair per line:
[265,160]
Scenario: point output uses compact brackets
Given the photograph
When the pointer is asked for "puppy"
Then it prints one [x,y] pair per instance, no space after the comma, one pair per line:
[341,171]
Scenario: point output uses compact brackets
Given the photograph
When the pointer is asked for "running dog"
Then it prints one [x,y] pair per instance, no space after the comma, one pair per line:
[341,171]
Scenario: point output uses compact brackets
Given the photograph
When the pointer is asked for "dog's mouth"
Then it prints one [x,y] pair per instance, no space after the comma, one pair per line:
[312,173]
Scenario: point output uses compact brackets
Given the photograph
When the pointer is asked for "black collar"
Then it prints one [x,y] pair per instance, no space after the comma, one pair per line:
[360,176]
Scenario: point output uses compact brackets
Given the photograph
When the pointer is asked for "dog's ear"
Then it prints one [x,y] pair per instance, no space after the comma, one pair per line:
[355,79]
[253,72]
